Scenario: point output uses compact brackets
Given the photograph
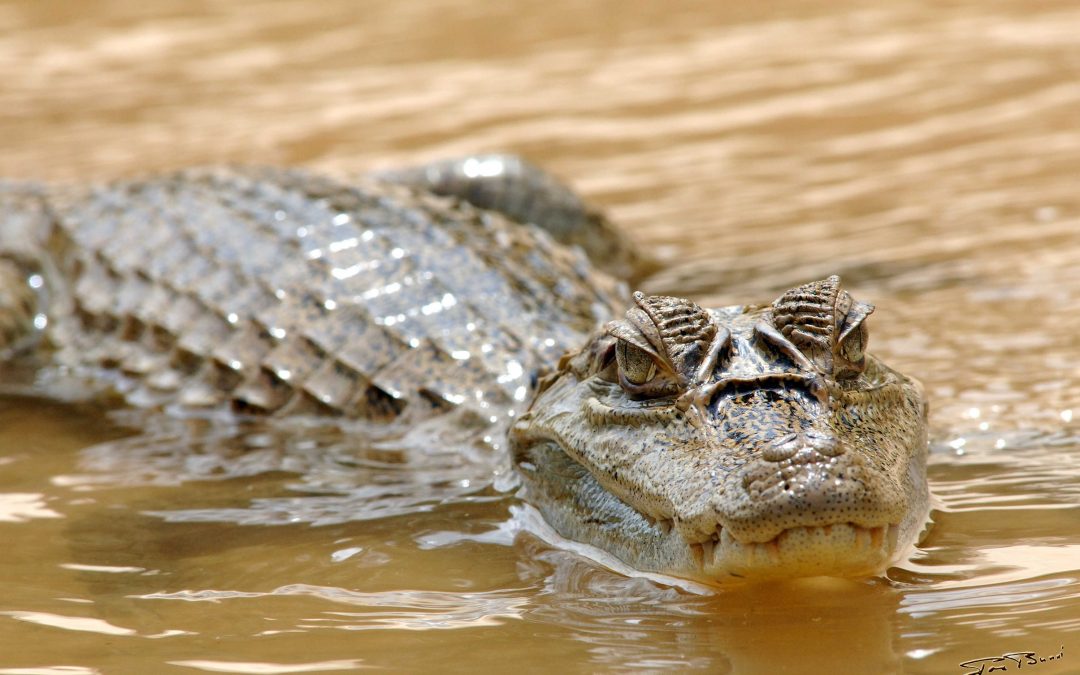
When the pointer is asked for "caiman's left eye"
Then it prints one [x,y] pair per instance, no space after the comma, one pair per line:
[825,324]
[852,353]
[636,365]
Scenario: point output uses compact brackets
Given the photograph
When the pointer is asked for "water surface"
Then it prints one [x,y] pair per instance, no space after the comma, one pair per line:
[928,152]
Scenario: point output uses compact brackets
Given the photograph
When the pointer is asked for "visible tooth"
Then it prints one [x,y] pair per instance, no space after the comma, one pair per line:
[698,551]
[707,552]
[662,524]
[772,549]
[862,537]
[877,534]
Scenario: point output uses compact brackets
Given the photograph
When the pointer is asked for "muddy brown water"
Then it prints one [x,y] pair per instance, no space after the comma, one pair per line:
[928,152]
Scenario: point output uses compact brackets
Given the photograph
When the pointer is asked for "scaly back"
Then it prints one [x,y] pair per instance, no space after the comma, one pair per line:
[279,291]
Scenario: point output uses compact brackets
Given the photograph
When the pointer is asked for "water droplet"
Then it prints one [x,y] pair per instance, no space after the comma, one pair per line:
[345,272]
[431,308]
[513,369]
[476,167]
[344,244]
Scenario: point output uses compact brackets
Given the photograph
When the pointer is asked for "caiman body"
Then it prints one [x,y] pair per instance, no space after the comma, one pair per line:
[286,292]
[746,441]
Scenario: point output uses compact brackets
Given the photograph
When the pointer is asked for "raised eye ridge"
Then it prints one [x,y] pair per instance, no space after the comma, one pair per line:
[826,324]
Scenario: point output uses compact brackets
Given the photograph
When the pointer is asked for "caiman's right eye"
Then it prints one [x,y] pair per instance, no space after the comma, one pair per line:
[636,365]
[660,346]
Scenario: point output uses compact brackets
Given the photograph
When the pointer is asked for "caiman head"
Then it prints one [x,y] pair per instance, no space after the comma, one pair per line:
[733,442]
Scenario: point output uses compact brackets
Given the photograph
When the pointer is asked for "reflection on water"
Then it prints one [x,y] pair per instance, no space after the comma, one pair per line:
[928,154]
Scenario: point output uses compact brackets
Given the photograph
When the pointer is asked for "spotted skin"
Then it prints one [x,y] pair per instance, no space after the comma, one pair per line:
[758,463]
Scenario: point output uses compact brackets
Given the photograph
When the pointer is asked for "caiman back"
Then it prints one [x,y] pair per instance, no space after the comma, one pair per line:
[277,291]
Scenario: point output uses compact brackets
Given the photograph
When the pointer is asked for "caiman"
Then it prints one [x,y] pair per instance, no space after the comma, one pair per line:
[752,441]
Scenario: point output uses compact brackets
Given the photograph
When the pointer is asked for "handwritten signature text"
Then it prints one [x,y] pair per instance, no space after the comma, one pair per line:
[1007,662]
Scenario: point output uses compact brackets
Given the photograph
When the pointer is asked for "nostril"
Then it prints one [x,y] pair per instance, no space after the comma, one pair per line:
[789,445]
[827,445]
[782,448]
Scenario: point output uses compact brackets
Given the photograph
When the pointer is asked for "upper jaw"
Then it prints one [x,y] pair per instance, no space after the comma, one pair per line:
[715,550]
[758,528]
[807,486]
[842,549]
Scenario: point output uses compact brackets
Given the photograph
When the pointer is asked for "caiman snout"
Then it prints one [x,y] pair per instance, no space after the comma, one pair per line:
[807,479]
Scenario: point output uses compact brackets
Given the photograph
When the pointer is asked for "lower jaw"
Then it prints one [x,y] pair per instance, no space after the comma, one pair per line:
[842,549]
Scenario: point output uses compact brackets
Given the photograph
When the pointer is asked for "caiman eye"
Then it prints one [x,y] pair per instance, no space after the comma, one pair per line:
[826,325]
[852,353]
[636,365]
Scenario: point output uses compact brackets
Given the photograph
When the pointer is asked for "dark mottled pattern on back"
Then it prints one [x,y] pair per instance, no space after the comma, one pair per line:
[286,291]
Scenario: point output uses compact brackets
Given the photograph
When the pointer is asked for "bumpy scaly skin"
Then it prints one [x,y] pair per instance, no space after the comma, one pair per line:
[765,443]
[283,291]
[528,194]
[699,443]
